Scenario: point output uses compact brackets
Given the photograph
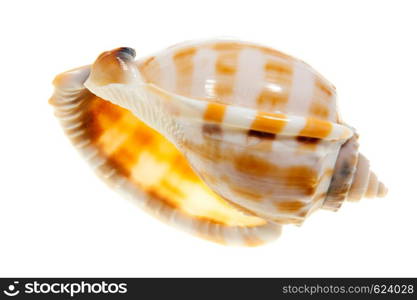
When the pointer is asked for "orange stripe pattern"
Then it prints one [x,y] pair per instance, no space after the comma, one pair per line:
[316,128]
[215,112]
[269,122]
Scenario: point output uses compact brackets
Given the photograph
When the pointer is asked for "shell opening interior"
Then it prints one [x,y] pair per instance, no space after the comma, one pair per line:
[152,163]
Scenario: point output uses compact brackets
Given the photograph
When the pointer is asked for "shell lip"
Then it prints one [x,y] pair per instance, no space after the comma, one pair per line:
[239,116]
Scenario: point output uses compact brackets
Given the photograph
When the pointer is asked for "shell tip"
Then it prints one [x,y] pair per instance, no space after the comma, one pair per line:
[382,190]
[127,51]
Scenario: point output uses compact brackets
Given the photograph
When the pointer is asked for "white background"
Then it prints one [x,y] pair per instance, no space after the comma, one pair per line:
[58,219]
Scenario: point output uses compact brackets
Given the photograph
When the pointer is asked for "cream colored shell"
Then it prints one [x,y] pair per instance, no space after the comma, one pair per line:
[227,139]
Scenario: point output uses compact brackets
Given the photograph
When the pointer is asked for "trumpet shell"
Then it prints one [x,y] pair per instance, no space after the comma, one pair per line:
[226,139]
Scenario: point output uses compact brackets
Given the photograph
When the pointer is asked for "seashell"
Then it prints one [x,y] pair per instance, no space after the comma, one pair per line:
[226,139]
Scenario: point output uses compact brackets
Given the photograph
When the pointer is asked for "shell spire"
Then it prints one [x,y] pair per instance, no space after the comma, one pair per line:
[352,179]
[365,183]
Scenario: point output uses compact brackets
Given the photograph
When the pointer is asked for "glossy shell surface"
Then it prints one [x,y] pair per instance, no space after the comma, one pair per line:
[227,139]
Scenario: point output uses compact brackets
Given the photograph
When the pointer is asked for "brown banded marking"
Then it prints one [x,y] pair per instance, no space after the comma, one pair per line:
[319,110]
[278,77]
[109,127]
[308,143]
[260,140]
[319,197]
[262,135]
[118,133]
[214,115]
[160,203]
[178,173]
[210,129]
[209,151]
[269,122]
[321,103]
[170,187]
[299,178]
[124,158]
[184,65]
[289,206]
[324,89]
[316,128]
[138,141]
[101,116]
[151,70]
[214,112]
[243,209]
[253,165]
[226,68]
[182,169]
[296,220]
[302,178]
[304,212]
[247,192]
[327,173]
[226,64]
[204,74]
[207,177]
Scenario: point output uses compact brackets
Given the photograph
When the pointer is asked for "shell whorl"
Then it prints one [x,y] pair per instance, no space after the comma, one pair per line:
[365,183]
[352,178]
